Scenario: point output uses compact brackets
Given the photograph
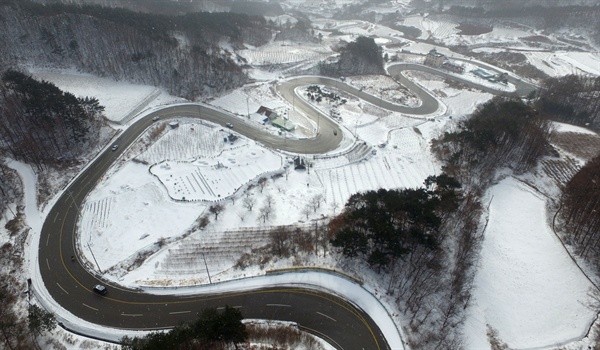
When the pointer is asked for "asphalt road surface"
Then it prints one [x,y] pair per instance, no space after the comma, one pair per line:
[69,283]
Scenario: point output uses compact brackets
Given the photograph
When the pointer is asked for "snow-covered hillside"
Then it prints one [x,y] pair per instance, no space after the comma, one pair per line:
[148,205]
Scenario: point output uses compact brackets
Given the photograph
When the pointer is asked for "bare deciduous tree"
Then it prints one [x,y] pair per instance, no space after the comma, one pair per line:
[248,202]
[316,201]
[264,213]
[269,201]
[335,205]
[280,241]
[306,211]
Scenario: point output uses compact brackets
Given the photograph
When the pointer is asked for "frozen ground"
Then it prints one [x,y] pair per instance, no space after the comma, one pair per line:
[128,209]
[526,287]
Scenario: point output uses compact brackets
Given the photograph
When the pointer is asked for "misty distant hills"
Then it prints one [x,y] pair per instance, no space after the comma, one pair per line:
[179,53]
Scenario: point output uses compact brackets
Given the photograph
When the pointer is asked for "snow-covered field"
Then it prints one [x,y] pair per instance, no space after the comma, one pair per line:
[149,203]
[527,285]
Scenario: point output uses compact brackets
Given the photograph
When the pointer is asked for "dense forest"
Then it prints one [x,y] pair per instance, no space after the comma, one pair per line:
[253,8]
[384,226]
[580,212]
[41,124]
[180,54]
[500,133]
[423,243]
[572,99]
[362,56]
[213,330]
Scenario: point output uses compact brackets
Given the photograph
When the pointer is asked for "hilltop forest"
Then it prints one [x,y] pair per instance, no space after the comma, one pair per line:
[178,53]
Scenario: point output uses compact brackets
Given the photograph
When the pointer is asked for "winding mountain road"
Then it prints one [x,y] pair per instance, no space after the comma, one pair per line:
[69,283]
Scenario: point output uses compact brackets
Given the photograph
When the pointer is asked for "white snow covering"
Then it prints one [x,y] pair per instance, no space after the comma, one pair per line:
[563,63]
[527,287]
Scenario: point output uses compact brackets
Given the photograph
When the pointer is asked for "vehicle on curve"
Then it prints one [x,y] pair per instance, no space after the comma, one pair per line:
[100,289]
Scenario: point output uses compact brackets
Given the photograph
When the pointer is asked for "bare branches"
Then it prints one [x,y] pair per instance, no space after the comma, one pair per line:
[581,211]
[249,202]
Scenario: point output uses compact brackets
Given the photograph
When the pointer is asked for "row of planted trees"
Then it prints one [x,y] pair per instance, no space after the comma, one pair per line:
[575,99]
[580,211]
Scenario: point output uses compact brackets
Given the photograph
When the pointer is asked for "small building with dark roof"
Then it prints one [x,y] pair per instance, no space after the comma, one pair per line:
[267,112]
[434,58]
[299,163]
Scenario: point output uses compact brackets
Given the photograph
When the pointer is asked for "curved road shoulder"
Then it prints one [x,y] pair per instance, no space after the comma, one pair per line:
[68,283]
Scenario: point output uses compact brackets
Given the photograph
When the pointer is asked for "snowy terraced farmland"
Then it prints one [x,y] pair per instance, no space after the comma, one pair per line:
[445,29]
[218,177]
[279,53]
[189,141]
[373,133]
[404,166]
[194,163]
[111,216]
[216,251]
[560,170]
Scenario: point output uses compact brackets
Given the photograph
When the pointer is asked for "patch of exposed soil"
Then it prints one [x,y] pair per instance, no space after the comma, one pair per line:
[584,146]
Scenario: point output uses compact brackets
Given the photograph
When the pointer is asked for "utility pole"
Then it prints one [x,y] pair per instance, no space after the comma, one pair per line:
[206,265]
[318,122]
[248,106]
[93,256]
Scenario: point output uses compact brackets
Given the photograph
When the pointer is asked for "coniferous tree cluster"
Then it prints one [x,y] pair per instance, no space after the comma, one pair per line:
[41,124]
[362,56]
[385,225]
[212,331]
[301,31]
[572,99]
[423,242]
[500,133]
[580,211]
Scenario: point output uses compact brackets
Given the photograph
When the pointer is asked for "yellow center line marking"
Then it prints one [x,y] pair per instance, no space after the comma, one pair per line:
[104,165]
